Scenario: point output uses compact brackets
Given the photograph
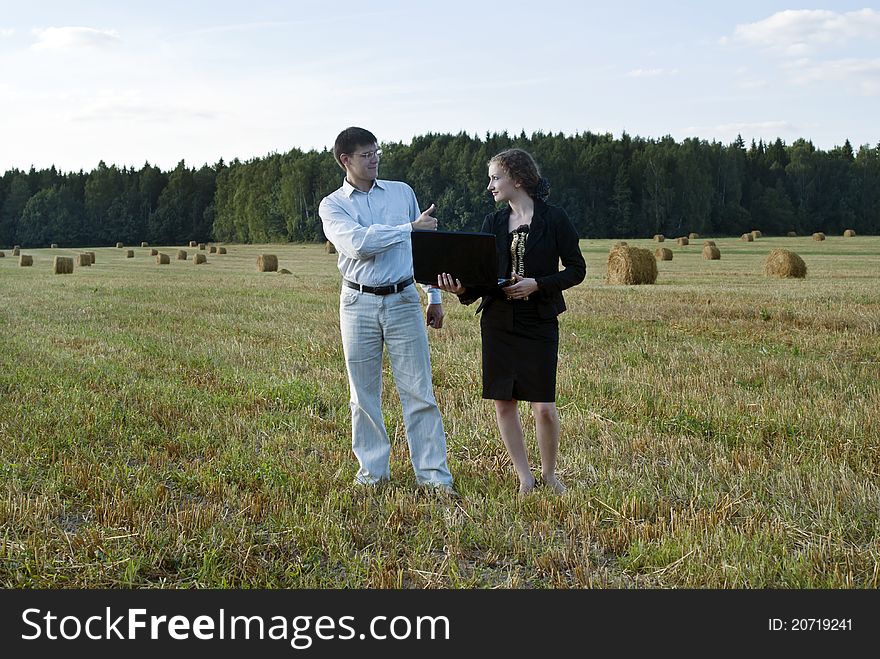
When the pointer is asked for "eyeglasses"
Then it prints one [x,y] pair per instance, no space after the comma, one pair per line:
[368,155]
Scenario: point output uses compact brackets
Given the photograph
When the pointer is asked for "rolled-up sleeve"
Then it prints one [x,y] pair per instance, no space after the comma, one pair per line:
[353,239]
[435,295]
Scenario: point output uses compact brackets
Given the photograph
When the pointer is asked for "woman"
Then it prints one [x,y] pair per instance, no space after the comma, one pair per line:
[519,326]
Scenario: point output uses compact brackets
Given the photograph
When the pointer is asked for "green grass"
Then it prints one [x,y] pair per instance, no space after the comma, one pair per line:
[188,426]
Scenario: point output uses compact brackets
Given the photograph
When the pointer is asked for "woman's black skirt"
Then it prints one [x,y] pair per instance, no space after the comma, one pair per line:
[519,352]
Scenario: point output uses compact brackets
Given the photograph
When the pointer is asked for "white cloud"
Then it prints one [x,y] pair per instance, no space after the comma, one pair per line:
[6,32]
[69,38]
[804,38]
[864,73]
[323,22]
[650,73]
[797,31]
[133,105]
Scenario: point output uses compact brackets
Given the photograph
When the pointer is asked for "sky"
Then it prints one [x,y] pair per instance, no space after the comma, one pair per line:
[160,82]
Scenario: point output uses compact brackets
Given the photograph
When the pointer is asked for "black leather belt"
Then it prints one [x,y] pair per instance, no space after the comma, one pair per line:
[379,290]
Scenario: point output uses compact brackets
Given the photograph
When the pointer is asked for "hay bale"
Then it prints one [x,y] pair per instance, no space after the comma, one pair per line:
[145,244]
[819,236]
[747,237]
[53,246]
[212,249]
[83,260]
[163,259]
[129,254]
[25,260]
[849,233]
[284,271]
[2,255]
[631,265]
[92,256]
[711,243]
[659,237]
[221,250]
[154,251]
[199,259]
[193,243]
[62,265]
[330,247]
[683,241]
[16,251]
[181,255]
[119,245]
[756,234]
[663,254]
[711,253]
[784,263]
[267,263]
[202,247]
[791,234]
[693,235]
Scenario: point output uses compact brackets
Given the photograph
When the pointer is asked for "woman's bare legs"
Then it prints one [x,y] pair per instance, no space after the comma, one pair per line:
[507,417]
[547,432]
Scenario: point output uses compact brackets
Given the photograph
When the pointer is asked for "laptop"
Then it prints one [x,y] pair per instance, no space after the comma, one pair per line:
[469,257]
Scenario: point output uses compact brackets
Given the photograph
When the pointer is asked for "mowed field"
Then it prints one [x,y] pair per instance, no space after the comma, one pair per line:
[177,426]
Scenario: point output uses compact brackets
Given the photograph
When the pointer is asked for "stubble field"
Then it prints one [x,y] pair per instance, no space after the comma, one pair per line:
[183,426]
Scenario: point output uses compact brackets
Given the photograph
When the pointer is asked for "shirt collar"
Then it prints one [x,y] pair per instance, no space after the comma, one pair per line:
[348,189]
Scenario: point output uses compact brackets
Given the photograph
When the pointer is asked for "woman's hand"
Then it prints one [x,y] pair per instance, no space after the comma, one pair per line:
[521,289]
[447,282]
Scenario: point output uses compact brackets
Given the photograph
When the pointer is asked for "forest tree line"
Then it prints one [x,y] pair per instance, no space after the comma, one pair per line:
[629,187]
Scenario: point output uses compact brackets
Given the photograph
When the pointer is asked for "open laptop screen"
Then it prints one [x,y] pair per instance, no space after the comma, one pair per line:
[469,257]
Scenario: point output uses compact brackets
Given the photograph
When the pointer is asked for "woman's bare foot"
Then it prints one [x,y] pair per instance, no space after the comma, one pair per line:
[527,488]
[556,486]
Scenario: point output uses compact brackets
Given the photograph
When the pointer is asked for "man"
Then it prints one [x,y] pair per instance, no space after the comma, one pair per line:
[370,221]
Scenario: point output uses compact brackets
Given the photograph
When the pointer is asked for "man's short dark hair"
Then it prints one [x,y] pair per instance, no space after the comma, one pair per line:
[350,139]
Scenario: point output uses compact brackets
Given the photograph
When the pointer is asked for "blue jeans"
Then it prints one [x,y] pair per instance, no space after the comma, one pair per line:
[394,322]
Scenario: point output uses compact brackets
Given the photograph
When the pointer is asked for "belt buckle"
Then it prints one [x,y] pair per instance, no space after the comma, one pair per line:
[385,290]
